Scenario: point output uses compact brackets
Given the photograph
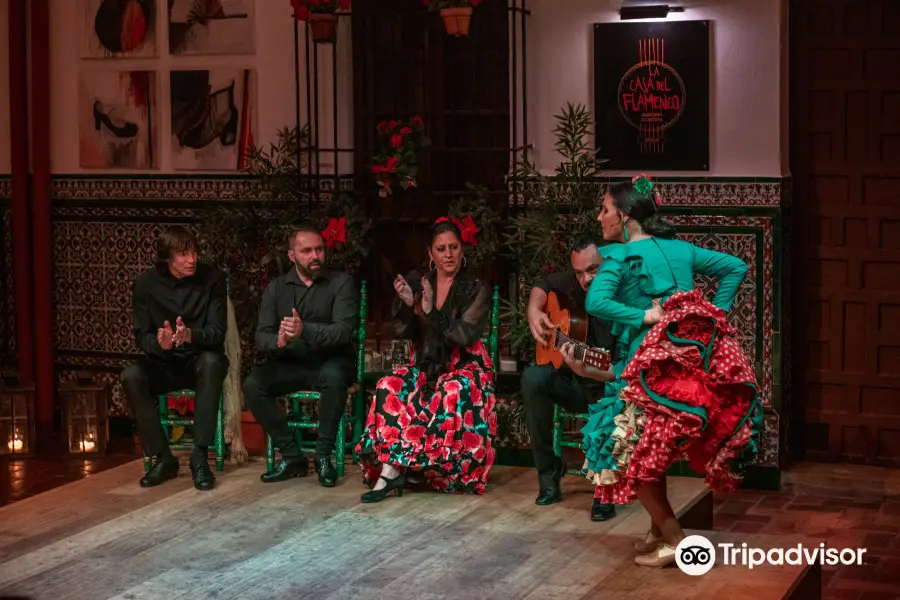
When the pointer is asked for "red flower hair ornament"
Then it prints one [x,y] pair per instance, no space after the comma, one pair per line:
[467,229]
[644,185]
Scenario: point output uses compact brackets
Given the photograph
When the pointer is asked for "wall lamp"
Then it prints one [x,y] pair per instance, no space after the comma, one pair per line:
[655,11]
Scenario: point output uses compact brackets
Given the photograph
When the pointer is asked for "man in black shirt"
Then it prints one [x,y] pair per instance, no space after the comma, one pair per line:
[543,385]
[180,317]
[305,326]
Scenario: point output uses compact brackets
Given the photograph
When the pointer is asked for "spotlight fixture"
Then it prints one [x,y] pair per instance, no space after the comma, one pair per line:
[654,11]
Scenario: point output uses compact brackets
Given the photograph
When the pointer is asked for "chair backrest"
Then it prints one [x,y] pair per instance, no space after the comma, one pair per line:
[361,332]
[492,336]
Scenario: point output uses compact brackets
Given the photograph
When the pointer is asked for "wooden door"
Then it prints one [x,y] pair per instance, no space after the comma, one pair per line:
[845,159]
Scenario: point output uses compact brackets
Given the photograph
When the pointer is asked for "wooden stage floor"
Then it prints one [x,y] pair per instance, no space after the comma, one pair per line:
[105,537]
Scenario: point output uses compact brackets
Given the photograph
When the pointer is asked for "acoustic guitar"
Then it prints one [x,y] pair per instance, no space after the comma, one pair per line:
[570,324]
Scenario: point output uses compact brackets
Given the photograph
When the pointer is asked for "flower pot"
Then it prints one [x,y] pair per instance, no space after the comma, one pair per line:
[253,435]
[323,27]
[456,20]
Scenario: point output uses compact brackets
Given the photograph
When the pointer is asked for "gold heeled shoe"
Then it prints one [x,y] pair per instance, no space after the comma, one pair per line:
[664,556]
[648,544]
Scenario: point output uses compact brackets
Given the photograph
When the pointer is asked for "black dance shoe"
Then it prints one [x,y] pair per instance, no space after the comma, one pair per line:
[326,471]
[602,512]
[203,475]
[547,496]
[162,470]
[287,468]
[396,483]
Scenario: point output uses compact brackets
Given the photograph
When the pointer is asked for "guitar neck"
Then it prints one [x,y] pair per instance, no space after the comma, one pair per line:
[593,356]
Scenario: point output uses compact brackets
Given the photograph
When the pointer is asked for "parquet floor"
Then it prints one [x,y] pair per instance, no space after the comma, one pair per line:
[104,537]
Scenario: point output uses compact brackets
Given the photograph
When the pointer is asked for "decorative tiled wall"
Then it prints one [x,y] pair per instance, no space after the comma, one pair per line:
[104,230]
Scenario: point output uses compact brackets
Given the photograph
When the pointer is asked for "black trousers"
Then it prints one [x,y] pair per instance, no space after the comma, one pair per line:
[275,378]
[542,387]
[145,380]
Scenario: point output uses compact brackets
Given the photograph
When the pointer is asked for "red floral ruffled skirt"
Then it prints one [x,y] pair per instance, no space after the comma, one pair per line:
[444,432]
[689,392]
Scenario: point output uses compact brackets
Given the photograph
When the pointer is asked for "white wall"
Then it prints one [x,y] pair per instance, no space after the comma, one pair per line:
[4,88]
[748,80]
[745,81]
[274,70]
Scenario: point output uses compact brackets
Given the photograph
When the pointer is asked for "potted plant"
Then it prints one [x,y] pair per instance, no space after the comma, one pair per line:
[397,160]
[320,14]
[456,14]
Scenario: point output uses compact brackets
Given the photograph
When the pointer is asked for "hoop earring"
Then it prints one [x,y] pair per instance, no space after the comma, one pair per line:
[431,265]
[464,263]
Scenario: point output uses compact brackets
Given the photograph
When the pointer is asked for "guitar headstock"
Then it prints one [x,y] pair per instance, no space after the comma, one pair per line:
[599,358]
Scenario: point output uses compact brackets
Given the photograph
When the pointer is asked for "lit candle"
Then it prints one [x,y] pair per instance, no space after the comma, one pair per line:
[16,443]
[87,445]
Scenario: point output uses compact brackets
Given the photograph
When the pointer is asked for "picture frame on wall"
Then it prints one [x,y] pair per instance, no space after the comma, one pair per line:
[118,122]
[118,28]
[652,95]
[211,27]
[212,118]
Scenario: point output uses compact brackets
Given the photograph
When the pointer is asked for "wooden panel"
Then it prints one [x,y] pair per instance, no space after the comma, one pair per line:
[846,144]
[104,537]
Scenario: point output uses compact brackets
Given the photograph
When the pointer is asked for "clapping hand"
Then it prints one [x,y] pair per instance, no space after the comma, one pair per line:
[182,333]
[403,290]
[165,336]
[427,296]
[290,328]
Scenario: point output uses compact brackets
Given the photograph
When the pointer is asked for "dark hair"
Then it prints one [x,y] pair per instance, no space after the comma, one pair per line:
[585,239]
[443,225]
[174,240]
[642,208]
[305,227]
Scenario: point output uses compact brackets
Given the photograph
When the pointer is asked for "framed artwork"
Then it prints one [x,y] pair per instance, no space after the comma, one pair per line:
[212,118]
[651,95]
[118,124]
[211,27]
[118,28]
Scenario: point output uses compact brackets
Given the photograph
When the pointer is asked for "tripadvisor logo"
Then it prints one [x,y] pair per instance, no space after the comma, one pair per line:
[696,555]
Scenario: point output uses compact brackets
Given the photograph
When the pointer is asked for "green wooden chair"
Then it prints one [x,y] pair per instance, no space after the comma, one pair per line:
[561,439]
[299,421]
[187,442]
[492,337]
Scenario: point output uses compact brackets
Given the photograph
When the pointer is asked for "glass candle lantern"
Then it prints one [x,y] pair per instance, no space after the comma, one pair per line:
[17,436]
[85,404]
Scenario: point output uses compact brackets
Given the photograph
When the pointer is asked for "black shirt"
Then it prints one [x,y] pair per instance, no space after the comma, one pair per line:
[599,331]
[200,300]
[328,309]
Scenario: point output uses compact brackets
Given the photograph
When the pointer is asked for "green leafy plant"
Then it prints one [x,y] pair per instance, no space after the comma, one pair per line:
[473,210]
[559,206]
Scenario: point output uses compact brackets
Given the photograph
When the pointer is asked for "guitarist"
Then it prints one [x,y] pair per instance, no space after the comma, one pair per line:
[543,385]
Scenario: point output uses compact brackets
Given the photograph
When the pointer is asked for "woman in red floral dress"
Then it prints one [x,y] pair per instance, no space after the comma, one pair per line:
[434,419]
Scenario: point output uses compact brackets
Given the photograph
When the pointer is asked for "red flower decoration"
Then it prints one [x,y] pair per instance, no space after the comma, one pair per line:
[469,230]
[335,231]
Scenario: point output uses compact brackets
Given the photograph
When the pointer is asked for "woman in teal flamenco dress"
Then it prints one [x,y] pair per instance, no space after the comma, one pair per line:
[685,386]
